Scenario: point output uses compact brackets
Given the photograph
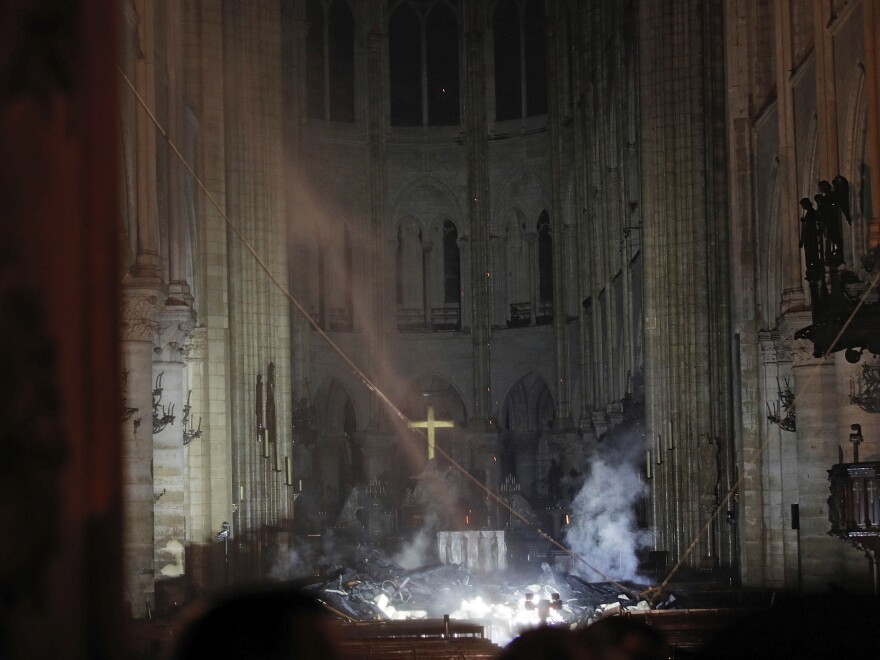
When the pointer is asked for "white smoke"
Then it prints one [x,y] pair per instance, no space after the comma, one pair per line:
[307,558]
[603,530]
[417,551]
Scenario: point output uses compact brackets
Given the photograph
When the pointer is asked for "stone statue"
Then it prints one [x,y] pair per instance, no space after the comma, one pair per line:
[841,196]
[811,241]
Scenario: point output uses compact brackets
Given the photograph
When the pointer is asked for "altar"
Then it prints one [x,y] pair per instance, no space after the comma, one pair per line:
[479,551]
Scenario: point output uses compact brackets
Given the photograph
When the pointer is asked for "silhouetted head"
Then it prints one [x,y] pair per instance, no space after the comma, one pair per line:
[806,203]
[263,623]
[545,643]
[623,638]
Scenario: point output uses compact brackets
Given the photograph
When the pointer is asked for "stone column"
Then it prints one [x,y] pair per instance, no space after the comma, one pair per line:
[793,285]
[147,262]
[555,111]
[197,455]
[140,308]
[872,84]
[178,287]
[476,145]
[382,311]
[687,323]
[169,376]
[816,400]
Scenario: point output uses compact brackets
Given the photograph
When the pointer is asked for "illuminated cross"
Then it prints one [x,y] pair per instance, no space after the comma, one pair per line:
[431,424]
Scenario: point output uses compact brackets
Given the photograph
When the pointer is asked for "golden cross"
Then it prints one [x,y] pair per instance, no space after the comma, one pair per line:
[431,424]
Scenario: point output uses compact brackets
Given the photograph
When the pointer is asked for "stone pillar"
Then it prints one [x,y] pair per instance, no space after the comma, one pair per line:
[169,375]
[687,323]
[476,145]
[793,285]
[257,258]
[382,311]
[147,264]
[872,84]
[178,287]
[197,454]
[140,308]
[555,113]
[816,400]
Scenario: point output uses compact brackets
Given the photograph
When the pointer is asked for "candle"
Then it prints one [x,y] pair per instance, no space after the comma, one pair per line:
[241,493]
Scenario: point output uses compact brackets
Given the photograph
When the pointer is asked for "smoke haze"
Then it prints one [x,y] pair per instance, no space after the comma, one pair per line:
[603,530]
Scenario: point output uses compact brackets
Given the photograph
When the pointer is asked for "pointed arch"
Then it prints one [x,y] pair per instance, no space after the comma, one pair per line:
[431,388]
[426,198]
[526,190]
[335,409]
[409,272]
[545,268]
[528,405]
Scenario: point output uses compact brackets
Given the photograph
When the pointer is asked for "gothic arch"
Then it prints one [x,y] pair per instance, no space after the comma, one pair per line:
[431,388]
[427,199]
[445,274]
[330,401]
[524,190]
[528,405]
[409,273]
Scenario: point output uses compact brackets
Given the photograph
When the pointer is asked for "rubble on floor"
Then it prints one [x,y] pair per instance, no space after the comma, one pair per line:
[505,603]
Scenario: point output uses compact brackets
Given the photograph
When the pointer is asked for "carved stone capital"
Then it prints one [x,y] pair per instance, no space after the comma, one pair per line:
[138,314]
[176,325]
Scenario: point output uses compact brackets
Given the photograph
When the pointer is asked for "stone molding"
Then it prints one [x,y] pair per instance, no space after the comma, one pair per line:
[773,351]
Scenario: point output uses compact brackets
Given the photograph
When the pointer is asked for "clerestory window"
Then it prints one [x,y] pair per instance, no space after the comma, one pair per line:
[423,64]
[330,61]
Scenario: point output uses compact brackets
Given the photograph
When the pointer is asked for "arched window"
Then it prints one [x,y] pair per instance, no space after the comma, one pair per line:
[448,315]
[442,67]
[330,61]
[423,54]
[451,264]
[405,66]
[410,277]
[520,59]
[545,270]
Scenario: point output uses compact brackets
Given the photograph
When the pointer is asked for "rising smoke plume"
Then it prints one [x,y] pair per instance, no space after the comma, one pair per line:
[604,530]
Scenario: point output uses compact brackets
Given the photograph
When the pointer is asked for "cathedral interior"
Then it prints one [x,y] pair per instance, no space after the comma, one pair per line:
[593,283]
